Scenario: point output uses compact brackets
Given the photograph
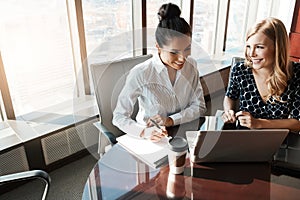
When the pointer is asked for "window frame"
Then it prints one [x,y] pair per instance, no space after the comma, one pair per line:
[78,40]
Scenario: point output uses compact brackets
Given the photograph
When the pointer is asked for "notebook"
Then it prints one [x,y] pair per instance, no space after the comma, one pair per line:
[155,154]
[254,145]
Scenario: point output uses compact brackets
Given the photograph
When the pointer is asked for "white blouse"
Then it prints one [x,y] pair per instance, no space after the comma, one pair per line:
[149,83]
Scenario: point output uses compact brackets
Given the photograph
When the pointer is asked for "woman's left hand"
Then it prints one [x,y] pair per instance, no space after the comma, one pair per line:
[246,119]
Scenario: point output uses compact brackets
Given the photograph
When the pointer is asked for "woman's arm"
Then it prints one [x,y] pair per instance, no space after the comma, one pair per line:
[292,124]
[232,95]
[247,120]
[229,106]
[125,106]
[196,106]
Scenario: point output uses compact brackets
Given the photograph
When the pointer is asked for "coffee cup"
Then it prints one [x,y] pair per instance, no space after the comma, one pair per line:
[178,147]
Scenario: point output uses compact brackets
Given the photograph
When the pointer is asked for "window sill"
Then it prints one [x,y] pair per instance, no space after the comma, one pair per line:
[214,73]
[43,122]
[62,115]
[216,63]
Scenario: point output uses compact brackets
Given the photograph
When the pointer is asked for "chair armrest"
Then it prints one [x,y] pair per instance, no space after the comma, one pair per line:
[110,136]
[27,175]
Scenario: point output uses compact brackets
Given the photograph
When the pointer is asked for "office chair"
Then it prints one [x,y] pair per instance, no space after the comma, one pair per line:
[28,175]
[109,79]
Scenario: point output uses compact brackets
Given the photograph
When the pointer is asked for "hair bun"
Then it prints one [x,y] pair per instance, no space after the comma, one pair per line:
[168,11]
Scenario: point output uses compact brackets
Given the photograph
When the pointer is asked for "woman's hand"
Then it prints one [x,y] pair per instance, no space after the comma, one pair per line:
[160,120]
[246,119]
[229,116]
[158,135]
[154,133]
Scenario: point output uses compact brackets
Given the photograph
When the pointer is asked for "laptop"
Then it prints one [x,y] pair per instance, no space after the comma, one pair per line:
[254,145]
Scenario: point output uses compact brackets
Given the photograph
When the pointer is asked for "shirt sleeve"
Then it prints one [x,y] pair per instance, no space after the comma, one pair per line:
[196,107]
[125,106]
[233,91]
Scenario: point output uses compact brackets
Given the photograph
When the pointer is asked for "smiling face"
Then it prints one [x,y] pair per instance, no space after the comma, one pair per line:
[175,53]
[261,50]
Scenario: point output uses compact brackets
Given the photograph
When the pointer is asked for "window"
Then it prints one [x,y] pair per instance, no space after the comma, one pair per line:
[108,29]
[204,22]
[40,51]
[209,21]
[37,53]
[244,13]
[152,21]
[236,25]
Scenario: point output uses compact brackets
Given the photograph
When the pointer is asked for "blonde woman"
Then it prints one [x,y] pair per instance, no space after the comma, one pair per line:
[267,84]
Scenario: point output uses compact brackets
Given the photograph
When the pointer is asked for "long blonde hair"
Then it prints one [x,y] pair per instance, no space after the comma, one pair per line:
[275,30]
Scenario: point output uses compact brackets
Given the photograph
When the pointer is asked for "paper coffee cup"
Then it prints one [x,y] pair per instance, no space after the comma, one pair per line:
[178,147]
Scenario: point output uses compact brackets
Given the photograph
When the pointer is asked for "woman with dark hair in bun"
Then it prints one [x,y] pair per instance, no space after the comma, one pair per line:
[167,86]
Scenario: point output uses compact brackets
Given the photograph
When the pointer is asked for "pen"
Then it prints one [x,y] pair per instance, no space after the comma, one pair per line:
[156,124]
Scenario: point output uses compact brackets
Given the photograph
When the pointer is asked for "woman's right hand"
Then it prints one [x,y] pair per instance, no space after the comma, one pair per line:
[229,116]
[154,134]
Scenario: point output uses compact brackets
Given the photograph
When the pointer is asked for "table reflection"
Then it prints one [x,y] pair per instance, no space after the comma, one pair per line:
[119,175]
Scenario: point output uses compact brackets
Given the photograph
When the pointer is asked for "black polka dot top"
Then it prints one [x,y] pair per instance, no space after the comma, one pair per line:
[242,86]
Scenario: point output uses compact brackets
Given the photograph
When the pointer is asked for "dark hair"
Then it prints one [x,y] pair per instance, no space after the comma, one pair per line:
[170,24]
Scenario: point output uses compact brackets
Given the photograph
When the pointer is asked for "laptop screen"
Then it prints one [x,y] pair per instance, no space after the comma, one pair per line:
[253,145]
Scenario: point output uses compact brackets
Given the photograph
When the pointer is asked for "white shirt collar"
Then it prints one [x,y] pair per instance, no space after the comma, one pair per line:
[157,63]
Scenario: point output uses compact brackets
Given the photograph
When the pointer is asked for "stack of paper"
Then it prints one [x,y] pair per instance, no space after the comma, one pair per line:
[153,154]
